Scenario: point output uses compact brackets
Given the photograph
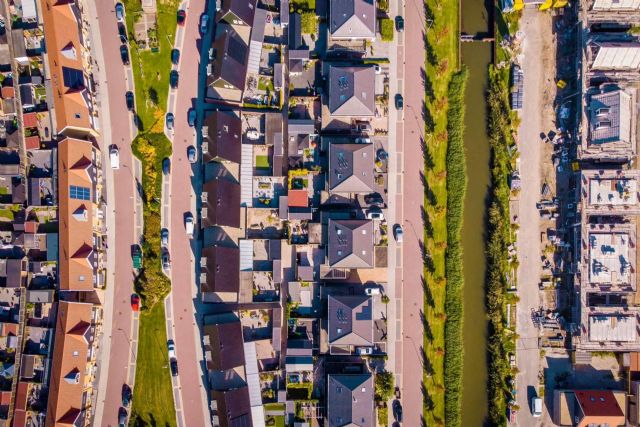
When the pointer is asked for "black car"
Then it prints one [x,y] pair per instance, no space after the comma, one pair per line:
[122,31]
[397,411]
[126,395]
[129,98]
[374,199]
[174,367]
[124,54]
[399,102]
[166,166]
[399,24]
[173,78]
[175,56]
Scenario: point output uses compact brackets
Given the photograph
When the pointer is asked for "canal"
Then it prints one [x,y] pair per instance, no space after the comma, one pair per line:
[477,57]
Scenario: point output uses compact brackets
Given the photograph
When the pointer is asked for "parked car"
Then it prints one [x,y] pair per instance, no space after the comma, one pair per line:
[114,157]
[171,349]
[399,102]
[363,140]
[135,302]
[372,290]
[174,78]
[204,24]
[375,213]
[119,12]
[397,411]
[122,31]
[164,237]
[377,68]
[175,55]
[536,407]
[122,417]
[166,166]
[374,199]
[166,261]
[398,233]
[364,351]
[399,24]
[182,16]
[136,256]
[382,154]
[129,100]
[126,395]
[174,367]
[189,224]
[192,156]
[124,54]
[169,119]
[191,117]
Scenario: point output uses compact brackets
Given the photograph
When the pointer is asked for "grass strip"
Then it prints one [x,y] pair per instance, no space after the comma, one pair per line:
[153,394]
[456,189]
[441,46]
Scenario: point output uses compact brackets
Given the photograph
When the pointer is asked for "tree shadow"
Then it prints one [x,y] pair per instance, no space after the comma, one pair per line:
[428,295]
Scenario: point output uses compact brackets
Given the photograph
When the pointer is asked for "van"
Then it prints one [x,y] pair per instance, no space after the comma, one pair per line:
[536,407]
[189,225]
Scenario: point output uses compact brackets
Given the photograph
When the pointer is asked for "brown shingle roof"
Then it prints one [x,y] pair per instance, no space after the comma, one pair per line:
[350,243]
[77,255]
[224,131]
[74,337]
[352,91]
[222,267]
[227,345]
[223,203]
[65,47]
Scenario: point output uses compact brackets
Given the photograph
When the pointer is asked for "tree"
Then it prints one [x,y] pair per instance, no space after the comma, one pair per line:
[384,385]
[386,29]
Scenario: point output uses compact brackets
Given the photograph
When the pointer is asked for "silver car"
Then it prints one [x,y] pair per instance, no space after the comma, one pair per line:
[398,233]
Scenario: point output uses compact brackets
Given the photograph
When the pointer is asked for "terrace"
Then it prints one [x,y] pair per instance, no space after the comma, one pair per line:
[610,192]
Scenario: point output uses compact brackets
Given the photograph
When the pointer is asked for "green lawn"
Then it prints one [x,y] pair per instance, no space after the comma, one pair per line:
[152,69]
[153,395]
[441,63]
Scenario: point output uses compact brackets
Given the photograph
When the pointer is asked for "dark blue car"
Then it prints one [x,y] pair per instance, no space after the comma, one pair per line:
[191,118]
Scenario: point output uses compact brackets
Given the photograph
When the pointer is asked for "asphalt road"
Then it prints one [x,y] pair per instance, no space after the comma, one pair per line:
[412,198]
[120,333]
[191,401]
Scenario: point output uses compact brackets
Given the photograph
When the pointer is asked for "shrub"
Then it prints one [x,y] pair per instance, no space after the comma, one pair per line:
[386,29]
[309,23]
[384,386]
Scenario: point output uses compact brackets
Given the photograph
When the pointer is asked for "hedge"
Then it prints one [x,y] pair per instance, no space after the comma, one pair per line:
[386,29]
[456,189]
[309,23]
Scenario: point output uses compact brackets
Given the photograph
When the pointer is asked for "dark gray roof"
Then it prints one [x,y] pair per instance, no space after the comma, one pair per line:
[351,168]
[352,19]
[259,26]
[610,117]
[295,32]
[352,91]
[223,203]
[14,276]
[224,136]
[230,63]
[242,9]
[350,243]
[226,345]
[350,400]
[222,268]
[233,407]
[350,320]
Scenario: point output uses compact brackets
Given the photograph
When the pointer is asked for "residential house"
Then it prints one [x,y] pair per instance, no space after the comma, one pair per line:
[219,274]
[350,401]
[226,78]
[351,168]
[586,408]
[222,132]
[350,323]
[351,91]
[221,203]
[350,243]
[352,19]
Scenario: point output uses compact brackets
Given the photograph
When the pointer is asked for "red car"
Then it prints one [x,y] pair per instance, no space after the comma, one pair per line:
[182,15]
[135,302]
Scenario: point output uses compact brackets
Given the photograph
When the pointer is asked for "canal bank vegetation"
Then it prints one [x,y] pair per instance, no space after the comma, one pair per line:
[445,184]
[501,341]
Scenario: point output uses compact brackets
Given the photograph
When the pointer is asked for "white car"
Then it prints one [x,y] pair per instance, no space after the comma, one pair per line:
[363,140]
[171,347]
[114,157]
[536,407]
[365,351]
[375,214]
[372,290]
[398,233]
[253,135]
[189,224]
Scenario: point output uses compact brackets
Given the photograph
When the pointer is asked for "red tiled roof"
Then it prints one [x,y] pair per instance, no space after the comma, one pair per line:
[601,403]
[30,120]
[299,198]
[19,418]
[9,328]
[5,398]
[8,92]
[32,142]
[31,227]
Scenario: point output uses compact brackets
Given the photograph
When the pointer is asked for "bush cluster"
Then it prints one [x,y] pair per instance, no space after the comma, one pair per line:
[386,29]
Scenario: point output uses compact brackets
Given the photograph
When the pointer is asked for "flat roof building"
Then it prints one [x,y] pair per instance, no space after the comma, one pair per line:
[609,192]
[608,57]
[79,188]
[609,124]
